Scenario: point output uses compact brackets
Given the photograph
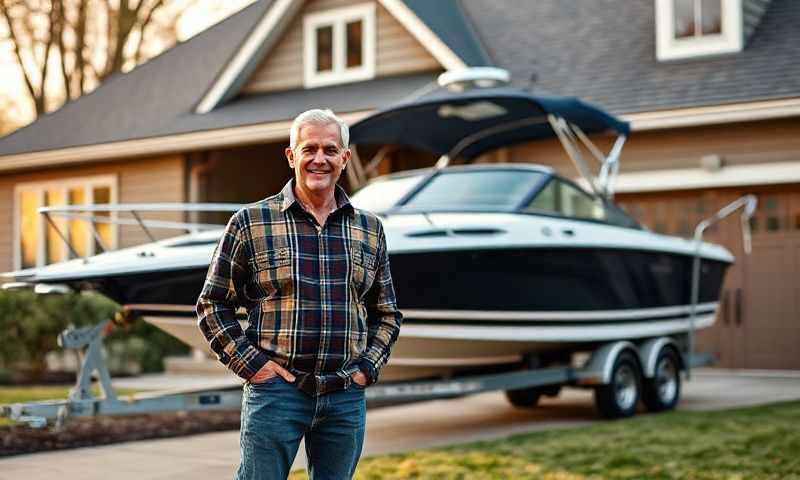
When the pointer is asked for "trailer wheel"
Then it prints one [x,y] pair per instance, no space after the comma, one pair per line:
[524,397]
[619,398]
[663,391]
[551,390]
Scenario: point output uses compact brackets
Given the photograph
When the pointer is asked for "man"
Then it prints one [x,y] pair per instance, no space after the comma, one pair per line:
[313,274]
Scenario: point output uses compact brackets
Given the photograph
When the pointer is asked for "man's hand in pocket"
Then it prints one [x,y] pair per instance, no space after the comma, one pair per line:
[360,378]
[271,370]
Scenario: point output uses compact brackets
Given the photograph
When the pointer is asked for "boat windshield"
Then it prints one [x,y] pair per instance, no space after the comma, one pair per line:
[481,189]
[383,194]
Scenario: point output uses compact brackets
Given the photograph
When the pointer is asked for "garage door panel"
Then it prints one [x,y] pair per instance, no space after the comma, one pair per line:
[770,324]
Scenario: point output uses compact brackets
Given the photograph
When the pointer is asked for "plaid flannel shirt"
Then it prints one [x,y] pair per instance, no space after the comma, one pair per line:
[319,301]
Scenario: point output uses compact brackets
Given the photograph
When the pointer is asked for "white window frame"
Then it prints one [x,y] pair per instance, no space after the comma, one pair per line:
[338,19]
[63,186]
[730,40]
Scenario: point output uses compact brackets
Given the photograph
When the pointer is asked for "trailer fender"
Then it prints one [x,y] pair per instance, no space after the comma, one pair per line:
[648,354]
[598,368]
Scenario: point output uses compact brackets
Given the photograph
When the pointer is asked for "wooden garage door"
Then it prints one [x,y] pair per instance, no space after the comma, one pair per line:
[767,334]
[759,322]
[769,330]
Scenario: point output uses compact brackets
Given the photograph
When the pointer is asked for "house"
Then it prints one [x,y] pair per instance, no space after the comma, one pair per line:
[711,88]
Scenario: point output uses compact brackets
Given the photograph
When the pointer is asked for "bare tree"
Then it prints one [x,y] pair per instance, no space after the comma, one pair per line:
[84,41]
[9,116]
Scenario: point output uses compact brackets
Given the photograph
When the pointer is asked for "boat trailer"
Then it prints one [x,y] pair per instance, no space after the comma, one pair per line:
[621,372]
[597,371]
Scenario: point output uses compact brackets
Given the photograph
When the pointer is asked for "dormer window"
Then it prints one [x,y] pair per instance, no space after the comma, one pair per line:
[697,18]
[339,45]
[695,28]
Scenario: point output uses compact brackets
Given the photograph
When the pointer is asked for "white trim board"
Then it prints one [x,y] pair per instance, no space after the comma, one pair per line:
[264,35]
[716,114]
[692,178]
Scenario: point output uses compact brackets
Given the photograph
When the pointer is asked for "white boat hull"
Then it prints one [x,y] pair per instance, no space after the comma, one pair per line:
[440,349]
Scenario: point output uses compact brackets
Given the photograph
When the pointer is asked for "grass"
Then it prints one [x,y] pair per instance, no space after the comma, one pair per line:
[35,393]
[751,443]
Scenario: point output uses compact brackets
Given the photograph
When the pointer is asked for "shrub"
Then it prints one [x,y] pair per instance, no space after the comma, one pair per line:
[30,324]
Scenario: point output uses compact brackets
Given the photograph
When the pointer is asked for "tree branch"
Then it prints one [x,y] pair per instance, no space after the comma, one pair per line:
[4,11]
[66,74]
[48,48]
[137,57]
[40,29]
[80,48]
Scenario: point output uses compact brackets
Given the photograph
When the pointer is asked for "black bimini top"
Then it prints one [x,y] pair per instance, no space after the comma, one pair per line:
[480,120]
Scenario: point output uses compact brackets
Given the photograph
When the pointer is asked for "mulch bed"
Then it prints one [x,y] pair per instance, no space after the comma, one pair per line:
[87,432]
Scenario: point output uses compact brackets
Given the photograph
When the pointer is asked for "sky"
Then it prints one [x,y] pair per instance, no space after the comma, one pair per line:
[199,16]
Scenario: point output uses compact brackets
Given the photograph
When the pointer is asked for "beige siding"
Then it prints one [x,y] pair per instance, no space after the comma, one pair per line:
[6,224]
[160,180]
[138,181]
[397,51]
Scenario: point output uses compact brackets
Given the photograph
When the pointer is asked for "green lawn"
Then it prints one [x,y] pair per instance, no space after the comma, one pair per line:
[751,443]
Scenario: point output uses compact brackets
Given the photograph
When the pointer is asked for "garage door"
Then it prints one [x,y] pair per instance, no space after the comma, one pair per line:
[759,321]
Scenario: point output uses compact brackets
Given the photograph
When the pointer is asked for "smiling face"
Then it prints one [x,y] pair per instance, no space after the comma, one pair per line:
[318,159]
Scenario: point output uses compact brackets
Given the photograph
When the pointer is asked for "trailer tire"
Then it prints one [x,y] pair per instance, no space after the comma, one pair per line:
[663,391]
[620,397]
[524,397]
[551,391]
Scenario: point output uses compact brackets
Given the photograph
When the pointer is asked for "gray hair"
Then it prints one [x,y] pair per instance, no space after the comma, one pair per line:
[320,118]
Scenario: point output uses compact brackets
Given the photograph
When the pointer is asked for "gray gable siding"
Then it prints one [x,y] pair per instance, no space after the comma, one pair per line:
[603,51]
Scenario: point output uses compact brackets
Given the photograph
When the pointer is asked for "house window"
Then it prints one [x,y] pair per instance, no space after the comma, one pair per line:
[339,45]
[695,28]
[37,242]
[695,18]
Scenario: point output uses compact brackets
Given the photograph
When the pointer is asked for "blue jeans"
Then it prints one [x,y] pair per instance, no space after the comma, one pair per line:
[276,415]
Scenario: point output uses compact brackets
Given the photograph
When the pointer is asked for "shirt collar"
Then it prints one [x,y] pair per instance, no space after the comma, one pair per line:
[342,200]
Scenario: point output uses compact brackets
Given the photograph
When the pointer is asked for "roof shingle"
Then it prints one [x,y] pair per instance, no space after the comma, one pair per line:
[602,51]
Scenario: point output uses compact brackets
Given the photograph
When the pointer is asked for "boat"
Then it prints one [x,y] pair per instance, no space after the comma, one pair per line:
[494,265]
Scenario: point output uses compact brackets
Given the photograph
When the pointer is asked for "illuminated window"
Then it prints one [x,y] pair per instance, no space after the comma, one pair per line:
[339,45]
[29,226]
[694,28]
[54,244]
[78,229]
[38,242]
[102,195]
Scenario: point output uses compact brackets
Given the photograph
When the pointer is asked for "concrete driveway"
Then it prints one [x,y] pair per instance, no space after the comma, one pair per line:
[393,429]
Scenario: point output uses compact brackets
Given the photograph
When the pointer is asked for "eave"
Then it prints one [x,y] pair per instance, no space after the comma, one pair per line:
[209,139]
